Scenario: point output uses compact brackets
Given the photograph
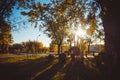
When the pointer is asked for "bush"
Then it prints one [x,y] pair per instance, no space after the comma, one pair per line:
[50,57]
[62,57]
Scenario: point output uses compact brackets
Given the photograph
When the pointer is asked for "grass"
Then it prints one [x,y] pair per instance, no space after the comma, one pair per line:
[42,71]
[13,58]
[39,68]
[22,68]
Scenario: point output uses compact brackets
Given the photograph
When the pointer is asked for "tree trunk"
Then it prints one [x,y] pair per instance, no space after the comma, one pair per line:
[111,24]
[3,48]
[59,47]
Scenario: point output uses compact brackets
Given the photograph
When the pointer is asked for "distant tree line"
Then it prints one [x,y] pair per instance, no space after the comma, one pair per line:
[33,47]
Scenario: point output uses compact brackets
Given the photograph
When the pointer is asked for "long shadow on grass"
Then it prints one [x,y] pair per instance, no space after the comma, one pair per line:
[22,70]
[79,71]
[40,69]
[49,72]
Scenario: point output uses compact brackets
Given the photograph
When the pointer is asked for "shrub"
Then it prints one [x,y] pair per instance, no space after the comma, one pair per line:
[62,57]
[50,57]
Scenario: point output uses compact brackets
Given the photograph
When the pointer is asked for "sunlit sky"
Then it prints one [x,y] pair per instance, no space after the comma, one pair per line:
[29,33]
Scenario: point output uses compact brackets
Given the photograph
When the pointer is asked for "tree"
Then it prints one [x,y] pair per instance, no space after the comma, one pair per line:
[83,45]
[111,25]
[6,8]
[65,47]
[111,15]
[5,37]
[33,46]
[53,46]
[53,18]
[5,28]
[16,48]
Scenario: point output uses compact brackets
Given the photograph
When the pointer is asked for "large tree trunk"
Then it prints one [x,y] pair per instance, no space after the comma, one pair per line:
[111,24]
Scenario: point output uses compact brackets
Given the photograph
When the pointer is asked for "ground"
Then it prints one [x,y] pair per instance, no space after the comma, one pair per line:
[41,69]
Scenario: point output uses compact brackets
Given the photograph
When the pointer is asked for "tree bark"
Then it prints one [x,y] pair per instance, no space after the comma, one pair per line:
[111,24]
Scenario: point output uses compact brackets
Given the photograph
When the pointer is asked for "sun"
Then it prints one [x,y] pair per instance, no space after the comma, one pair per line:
[80,33]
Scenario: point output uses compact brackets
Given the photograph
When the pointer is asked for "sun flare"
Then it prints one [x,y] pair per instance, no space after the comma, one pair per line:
[80,33]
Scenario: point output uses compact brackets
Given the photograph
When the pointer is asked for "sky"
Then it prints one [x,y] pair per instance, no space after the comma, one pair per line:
[28,33]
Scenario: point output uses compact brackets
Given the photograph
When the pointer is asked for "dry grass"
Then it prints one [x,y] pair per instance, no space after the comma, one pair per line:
[39,68]
[12,58]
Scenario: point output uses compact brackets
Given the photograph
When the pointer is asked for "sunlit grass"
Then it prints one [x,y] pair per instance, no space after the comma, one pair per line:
[6,55]
[62,72]
[12,58]
[96,54]
[59,76]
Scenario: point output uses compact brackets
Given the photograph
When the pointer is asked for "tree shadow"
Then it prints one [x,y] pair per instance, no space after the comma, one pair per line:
[22,70]
[50,72]
[79,71]
[71,71]
[41,69]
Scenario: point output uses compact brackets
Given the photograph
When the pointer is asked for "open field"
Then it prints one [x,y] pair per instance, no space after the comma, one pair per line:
[39,68]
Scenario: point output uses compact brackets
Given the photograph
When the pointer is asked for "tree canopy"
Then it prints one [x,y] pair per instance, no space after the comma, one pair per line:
[58,17]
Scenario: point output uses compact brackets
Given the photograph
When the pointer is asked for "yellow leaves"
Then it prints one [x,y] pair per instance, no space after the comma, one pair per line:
[5,33]
[40,44]
[92,27]
[6,41]
[103,12]
[60,9]
[91,30]
[55,49]
[58,15]
[69,1]
[65,47]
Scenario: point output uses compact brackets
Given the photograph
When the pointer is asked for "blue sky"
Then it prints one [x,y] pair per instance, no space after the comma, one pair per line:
[29,33]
